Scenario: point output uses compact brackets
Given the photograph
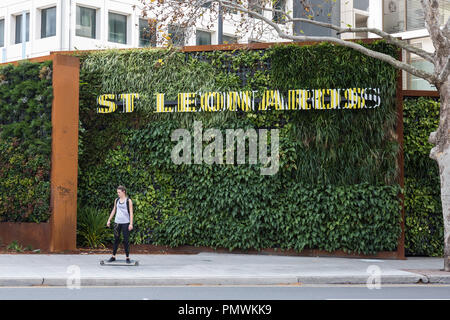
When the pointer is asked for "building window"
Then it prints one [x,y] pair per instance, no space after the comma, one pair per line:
[19,19]
[394,16]
[48,22]
[86,22]
[117,28]
[256,6]
[232,10]
[361,22]
[361,5]
[177,35]
[415,18]
[402,15]
[206,4]
[203,38]
[444,8]
[415,83]
[229,39]
[147,33]
[328,12]
[2,32]
[277,16]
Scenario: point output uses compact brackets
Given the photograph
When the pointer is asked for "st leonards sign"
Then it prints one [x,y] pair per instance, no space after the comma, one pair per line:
[299,99]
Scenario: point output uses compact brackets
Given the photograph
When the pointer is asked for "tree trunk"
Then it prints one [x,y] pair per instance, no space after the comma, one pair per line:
[441,153]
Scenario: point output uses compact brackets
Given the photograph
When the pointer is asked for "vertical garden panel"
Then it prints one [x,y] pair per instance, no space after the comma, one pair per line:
[39,141]
[339,180]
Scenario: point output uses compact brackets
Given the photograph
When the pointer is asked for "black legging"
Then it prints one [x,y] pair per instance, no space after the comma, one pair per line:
[118,228]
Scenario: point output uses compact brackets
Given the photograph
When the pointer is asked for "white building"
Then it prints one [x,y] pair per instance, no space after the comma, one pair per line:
[60,25]
[405,19]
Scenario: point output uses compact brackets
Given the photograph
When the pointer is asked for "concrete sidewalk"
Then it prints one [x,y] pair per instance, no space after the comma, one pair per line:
[214,269]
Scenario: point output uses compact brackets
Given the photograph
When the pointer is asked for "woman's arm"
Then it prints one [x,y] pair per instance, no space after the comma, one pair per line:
[113,212]
[130,227]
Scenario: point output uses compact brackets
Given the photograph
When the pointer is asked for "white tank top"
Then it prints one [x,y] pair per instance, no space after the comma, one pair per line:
[122,215]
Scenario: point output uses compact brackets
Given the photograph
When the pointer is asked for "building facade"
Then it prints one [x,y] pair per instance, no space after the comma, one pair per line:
[405,20]
[60,25]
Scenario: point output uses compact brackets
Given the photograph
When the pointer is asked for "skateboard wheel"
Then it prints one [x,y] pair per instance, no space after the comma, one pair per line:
[137,263]
[102,262]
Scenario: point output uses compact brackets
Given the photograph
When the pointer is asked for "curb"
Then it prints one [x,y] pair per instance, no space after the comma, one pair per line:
[174,281]
[432,276]
[386,279]
[197,281]
[436,279]
[21,282]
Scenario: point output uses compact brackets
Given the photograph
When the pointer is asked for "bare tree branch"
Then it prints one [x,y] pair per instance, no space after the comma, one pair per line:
[374,54]
[181,11]
[390,39]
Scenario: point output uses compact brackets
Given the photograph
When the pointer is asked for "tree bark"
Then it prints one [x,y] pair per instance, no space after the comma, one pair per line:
[444,169]
[441,153]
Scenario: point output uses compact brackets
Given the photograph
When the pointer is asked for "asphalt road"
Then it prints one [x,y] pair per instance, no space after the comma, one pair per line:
[228,293]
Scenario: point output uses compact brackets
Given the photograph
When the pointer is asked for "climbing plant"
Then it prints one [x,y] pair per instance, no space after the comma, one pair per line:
[25,141]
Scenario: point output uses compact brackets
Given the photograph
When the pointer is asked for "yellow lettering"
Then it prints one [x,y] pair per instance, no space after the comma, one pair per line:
[334,99]
[159,102]
[361,100]
[293,99]
[244,101]
[128,101]
[349,97]
[110,106]
[305,95]
[232,100]
[190,102]
[319,102]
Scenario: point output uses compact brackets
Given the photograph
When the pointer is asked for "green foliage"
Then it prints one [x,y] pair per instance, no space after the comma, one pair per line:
[360,218]
[423,211]
[25,141]
[324,141]
[141,71]
[92,231]
[336,187]
[15,246]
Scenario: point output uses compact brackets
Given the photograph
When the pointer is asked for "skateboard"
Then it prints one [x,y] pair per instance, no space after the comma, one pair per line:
[119,263]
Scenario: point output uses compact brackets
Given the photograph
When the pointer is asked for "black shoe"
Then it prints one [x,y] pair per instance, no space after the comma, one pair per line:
[128,260]
[112,259]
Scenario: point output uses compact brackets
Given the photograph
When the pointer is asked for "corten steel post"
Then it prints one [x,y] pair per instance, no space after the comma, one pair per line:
[64,165]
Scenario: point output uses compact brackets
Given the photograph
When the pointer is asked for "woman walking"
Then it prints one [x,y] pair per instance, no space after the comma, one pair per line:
[123,209]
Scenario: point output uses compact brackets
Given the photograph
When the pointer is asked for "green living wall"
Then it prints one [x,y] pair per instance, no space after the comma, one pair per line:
[25,141]
[336,188]
[424,231]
